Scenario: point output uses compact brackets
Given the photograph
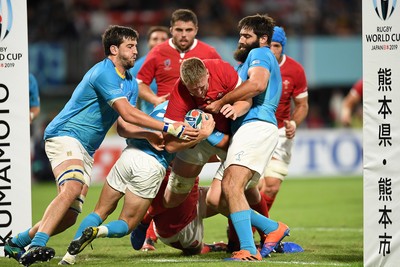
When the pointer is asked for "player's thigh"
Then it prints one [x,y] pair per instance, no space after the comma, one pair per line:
[65,151]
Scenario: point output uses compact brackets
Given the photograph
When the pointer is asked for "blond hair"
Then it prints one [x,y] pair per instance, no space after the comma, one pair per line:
[192,70]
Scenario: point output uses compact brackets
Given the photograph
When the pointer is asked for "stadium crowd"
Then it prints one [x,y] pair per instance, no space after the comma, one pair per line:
[61,19]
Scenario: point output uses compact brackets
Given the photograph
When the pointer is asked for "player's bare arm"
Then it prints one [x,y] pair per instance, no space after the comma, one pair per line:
[238,109]
[147,94]
[348,104]
[127,130]
[299,114]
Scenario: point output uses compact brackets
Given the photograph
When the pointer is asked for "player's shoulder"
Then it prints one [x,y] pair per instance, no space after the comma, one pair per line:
[261,52]
[215,62]
[204,44]
[292,63]
[291,60]
[102,68]
[162,48]
[204,47]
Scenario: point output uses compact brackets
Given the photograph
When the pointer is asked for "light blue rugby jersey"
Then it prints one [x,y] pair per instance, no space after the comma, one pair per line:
[145,106]
[87,116]
[265,104]
[162,156]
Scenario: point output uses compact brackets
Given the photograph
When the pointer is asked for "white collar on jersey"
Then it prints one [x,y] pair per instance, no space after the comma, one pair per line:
[283,60]
[190,48]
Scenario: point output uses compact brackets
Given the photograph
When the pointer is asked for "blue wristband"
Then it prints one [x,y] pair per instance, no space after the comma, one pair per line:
[215,137]
[165,128]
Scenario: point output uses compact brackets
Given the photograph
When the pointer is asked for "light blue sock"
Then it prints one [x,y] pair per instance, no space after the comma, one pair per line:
[241,222]
[117,228]
[93,219]
[39,240]
[22,239]
[263,223]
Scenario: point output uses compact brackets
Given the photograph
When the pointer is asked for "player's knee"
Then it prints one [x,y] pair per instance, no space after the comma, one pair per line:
[212,201]
[276,169]
[179,184]
[71,173]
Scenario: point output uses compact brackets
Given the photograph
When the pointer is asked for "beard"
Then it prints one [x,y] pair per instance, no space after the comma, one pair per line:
[241,54]
[127,63]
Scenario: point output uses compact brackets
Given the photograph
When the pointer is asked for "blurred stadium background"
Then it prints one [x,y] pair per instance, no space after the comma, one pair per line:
[323,35]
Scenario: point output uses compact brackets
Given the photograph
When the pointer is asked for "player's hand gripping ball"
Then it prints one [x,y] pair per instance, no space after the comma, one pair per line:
[194,118]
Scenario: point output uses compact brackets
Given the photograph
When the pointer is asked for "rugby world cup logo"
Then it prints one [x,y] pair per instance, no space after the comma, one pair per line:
[6,18]
[384,8]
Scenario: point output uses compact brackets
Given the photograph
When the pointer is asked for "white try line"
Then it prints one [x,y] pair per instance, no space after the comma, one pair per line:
[327,229]
[294,263]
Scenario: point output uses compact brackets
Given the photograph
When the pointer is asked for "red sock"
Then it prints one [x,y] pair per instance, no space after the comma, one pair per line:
[147,218]
[150,232]
[262,208]
[233,238]
[267,200]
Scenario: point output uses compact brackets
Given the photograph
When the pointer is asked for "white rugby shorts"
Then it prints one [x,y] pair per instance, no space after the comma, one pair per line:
[281,157]
[251,146]
[283,150]
[137,172]
[62,148]
[201,153]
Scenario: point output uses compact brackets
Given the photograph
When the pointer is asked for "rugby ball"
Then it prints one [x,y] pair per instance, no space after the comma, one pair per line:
[193,118]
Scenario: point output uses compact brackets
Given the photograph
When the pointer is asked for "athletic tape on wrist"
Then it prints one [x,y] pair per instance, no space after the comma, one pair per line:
[169,128]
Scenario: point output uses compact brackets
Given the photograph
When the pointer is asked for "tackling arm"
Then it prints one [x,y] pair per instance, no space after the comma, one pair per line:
[253,86]
[133,115]
[147,94]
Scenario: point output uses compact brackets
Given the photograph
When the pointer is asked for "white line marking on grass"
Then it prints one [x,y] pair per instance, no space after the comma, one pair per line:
[178,260]
[327,229]
[296,263]
[309,263]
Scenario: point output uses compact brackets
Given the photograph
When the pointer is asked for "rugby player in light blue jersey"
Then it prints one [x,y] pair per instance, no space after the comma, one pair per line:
[155,35]
[255,136]
[137,175]
[106,92]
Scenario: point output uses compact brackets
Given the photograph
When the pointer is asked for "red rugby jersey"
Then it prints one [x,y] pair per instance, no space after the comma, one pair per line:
[294,84]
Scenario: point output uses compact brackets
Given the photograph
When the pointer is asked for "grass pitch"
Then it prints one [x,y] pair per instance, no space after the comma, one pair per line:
[325,217]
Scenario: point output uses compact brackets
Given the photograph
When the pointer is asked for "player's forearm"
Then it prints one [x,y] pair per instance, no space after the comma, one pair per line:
[246,90]
[147,94]
[300,113]
[128,130]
